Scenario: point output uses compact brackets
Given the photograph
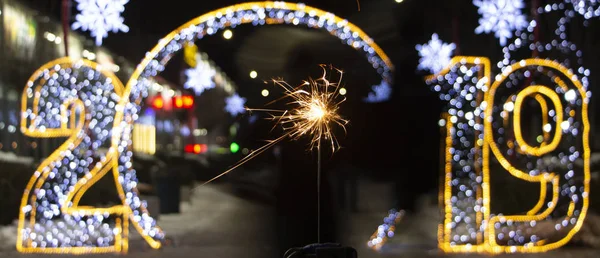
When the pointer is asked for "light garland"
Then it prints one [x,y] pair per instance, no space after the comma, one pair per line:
[461,86]
[587,8]
[386,230]
[477,127]
[571,57]
[257,14]
[481,231]
[83,102]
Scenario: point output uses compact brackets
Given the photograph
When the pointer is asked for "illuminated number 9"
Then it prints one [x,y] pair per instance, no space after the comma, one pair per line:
[564,187]
[492,140]
[81,102]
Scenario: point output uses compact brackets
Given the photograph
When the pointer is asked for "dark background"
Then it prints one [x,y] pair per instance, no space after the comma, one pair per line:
[397,140]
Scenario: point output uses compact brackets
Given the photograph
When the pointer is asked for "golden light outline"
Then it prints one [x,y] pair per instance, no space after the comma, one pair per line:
[384,240]
[543,178]
[536,90]
[489,244]
[445,230]
[445,177]
[448,182]
[137,73]
[544,110]
[72,128]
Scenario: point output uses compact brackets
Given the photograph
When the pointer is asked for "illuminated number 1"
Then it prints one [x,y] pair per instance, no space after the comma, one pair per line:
[79,101]
[470,224]
[461,85]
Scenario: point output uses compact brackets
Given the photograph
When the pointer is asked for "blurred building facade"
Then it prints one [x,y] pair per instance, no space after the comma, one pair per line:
[30,39]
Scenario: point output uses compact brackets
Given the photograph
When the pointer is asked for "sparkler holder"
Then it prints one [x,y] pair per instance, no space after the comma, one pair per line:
[324,250]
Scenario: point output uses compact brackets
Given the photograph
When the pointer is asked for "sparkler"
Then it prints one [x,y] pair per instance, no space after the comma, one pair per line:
[313,112]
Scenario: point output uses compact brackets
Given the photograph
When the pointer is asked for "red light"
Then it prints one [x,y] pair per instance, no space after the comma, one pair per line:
[196,148]
[158,102]
[178,102]
[185,101]
[188,102]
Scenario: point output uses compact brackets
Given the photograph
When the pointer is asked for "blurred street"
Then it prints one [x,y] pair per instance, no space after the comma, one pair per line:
[215,223]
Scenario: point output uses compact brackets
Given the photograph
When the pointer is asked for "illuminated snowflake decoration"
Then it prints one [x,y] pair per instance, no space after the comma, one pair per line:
[200,78]
[503,17]
[380,93]
[435,55]
[587,8]
[234,104]
[100,17]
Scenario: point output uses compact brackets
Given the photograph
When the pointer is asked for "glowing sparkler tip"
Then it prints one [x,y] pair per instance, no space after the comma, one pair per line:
[315,109]
[314,112]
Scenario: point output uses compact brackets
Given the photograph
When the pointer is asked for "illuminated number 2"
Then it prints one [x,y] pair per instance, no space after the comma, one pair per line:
[563,185]
[79,101]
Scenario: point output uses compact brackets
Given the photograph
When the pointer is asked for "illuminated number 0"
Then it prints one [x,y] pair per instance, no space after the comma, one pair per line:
[563,197]
[81,102]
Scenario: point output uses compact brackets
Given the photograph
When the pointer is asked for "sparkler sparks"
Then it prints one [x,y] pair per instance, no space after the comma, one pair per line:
[316,110]
[313,112]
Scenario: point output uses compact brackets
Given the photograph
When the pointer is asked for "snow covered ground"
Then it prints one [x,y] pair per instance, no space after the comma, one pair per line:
[8,238]
[215,223]
[214,213]
[11,157]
